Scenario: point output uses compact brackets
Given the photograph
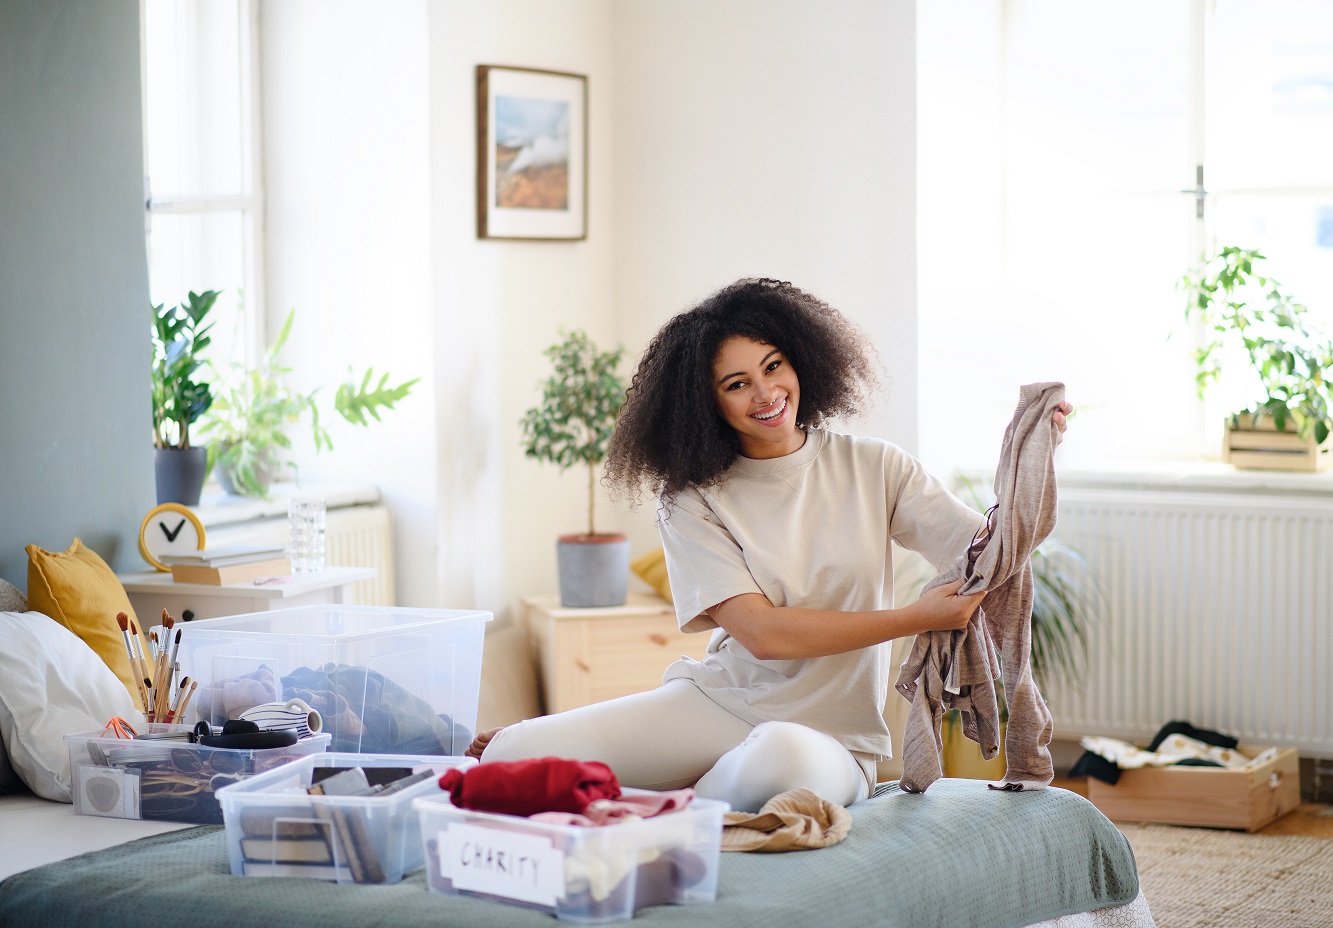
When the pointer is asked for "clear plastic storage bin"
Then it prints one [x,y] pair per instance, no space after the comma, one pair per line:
[385,680]
[275,828]
[165,780]
[583,875]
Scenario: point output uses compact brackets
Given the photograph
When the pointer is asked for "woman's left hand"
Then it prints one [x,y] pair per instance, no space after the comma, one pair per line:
[1060,418]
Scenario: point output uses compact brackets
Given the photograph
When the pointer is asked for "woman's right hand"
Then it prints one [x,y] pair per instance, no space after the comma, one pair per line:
[944,609]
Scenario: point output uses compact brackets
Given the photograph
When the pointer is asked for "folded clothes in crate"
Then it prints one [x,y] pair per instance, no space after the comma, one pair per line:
[1176,743]
[653,849]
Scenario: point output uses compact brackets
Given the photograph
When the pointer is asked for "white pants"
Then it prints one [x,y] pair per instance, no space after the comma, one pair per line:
[675,736]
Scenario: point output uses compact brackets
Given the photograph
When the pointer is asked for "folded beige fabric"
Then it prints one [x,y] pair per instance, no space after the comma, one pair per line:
[796,820]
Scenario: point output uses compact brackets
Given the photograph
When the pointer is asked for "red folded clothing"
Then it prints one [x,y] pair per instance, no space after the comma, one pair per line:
[526,787]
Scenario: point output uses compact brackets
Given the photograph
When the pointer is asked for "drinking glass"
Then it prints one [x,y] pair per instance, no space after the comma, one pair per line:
[305,518]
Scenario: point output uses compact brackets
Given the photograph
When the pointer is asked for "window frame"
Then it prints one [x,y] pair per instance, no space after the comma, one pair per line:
[249,202]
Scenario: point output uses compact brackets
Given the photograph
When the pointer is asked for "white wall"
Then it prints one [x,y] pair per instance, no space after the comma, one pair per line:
[726,140]
[770,138]
[500,303]
[348,225]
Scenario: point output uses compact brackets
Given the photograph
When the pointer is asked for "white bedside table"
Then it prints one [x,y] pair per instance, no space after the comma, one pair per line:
[588,655]
[152,591]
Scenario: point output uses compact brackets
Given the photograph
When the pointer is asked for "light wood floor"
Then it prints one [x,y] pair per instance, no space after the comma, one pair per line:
[1311,819]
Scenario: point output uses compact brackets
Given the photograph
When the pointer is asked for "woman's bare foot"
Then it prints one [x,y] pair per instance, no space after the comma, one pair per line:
[479,743]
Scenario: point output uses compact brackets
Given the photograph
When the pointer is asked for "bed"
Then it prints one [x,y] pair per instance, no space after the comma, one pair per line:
[956,856]
[959,855]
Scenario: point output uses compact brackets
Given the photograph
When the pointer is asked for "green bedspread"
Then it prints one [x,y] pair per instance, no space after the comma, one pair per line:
[959,855]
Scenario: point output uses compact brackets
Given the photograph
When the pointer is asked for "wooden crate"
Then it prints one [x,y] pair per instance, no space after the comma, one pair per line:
[1263,447]
[1214,797]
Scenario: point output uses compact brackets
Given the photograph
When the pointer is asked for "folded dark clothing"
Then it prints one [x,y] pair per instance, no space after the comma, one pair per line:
[1096,766]
[1216,739]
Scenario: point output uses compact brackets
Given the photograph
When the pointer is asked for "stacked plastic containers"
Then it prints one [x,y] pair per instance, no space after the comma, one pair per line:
[397,690]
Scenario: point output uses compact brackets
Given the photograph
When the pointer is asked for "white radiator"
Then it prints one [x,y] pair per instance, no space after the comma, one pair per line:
[356,536]
[1219,612]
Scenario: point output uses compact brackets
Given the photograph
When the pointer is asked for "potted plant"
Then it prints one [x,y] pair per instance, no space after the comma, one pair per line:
[255,409]
[1246,313]
[179,339]
[572,425]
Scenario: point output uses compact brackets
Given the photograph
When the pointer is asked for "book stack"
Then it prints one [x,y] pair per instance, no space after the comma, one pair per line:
[230,564]
[338,844]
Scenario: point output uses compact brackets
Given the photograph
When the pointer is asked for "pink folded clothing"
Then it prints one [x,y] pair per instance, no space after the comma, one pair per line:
[626,808]
[527,787]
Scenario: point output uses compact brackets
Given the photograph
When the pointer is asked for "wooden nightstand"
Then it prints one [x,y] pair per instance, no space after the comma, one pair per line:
[152,591]
[590,655]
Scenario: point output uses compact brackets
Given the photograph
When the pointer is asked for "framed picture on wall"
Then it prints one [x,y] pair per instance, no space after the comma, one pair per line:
[532,154]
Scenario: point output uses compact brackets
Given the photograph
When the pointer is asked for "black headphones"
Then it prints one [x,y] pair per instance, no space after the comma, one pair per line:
[243,734]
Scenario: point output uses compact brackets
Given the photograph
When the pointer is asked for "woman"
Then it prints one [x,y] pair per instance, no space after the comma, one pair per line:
[777,537]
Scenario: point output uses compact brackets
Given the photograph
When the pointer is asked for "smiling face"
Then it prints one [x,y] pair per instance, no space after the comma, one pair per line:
[758,394]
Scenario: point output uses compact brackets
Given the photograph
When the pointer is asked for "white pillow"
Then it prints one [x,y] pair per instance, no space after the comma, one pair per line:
[52,685]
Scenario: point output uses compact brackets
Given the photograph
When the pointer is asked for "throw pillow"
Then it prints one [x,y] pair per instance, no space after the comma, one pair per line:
[51,685]
[651,569]
[79,590]
[11,598]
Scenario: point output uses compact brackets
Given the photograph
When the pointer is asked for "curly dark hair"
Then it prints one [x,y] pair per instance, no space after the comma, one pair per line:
[670,434]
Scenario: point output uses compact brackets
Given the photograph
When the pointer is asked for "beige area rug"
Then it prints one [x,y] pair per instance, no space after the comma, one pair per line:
[1203,878]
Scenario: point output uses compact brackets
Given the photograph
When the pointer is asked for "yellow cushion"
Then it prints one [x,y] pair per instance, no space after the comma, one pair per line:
[651,569]
[79,590]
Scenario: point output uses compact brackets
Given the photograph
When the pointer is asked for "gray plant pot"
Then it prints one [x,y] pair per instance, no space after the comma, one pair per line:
[594,570]
[180,474]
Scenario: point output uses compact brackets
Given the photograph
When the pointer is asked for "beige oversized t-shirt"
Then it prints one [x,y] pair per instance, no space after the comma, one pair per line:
[808,529]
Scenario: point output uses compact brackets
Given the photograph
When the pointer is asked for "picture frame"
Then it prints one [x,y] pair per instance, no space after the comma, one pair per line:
[532,154]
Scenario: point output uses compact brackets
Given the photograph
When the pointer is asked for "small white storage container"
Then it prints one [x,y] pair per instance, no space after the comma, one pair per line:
[276,828]
[579,874]
[165,780]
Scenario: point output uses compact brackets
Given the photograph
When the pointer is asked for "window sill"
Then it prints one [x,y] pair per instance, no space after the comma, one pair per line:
[217,508]
[1183,477]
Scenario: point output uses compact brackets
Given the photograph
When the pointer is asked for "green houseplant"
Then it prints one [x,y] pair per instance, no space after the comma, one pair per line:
[571,426]
[255,410]
[1246,313]
[180,336]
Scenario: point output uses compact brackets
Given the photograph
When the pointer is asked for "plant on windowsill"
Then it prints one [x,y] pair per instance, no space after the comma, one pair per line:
[179,399]
[572,425]
[255,409]
[1290,416]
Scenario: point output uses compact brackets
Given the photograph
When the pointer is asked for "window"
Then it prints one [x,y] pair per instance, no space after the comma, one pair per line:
[203,188]
[1060,151]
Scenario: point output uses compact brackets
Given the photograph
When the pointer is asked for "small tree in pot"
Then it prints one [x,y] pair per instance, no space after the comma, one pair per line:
[179,338]
[572,425]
